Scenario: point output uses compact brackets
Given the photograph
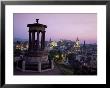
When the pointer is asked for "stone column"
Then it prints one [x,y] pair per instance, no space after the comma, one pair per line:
[37,40]
[29,40]
[39,66]
[33,40]
[52,64]
[23,66]
[67,60]
[43,40]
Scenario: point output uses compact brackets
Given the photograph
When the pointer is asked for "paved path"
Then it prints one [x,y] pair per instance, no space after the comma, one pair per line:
[55,71]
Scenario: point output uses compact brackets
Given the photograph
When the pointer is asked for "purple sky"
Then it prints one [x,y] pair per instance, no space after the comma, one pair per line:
[59,26]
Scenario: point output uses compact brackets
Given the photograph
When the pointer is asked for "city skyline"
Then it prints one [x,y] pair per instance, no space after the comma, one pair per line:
[59,26]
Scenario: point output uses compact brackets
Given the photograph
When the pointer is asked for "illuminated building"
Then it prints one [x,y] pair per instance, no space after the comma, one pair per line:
[22,46]
[53,44]
[18,46]
[77,45]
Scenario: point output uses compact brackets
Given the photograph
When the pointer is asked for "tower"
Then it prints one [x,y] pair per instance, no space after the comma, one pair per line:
[77,46]
[84,48]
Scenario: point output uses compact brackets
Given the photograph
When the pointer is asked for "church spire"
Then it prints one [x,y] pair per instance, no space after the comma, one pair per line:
[50,40]
[84,45]
[77,39]
[84,48]
[84,42]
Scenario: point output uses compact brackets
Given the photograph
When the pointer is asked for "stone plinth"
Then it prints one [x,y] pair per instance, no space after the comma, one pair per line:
[37,59]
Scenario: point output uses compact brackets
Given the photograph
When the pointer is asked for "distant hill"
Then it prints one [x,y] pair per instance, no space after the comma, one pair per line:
[20,39]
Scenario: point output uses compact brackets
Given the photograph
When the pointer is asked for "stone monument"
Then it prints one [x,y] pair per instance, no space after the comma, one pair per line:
[37,56]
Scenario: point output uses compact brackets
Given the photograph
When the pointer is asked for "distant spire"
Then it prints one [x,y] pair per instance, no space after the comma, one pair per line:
[84,45]
[50,39]
[77,39]
[84,42]
[84,48]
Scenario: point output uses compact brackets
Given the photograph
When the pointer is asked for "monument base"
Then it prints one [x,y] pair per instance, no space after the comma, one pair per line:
[38,63]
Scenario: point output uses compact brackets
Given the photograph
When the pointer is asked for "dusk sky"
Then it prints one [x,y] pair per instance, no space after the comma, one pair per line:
[59,26]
